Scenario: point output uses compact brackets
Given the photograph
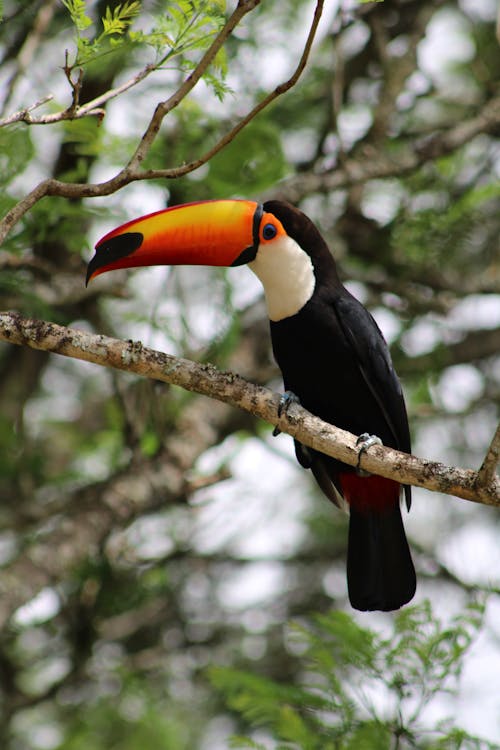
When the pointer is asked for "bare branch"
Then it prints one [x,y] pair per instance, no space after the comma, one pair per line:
[488,468]
[23,115]
[92,108]
[474,346]
[17,212]
[76,86]
[232,389]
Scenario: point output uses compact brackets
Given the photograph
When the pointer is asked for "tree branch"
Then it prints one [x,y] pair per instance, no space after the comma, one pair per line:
[265,102]
[165,107]
[23,115]
[132,172]
[232,389]
[488,468]
[377,165]
[92,108]
[474,346]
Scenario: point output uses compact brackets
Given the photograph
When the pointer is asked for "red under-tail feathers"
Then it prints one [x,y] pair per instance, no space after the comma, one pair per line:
[380,572]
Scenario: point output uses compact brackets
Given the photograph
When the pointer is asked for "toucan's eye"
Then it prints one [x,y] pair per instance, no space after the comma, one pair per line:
[269,231]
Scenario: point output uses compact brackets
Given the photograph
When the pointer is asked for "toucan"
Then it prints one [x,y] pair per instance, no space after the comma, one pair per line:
[331,352]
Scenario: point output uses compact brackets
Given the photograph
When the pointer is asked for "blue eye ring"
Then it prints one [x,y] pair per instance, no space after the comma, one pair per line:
[269,231]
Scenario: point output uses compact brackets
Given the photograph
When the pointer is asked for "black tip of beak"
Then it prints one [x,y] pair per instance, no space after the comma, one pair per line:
[113,250]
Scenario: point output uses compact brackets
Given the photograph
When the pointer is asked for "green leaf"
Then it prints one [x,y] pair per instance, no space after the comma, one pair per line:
[116,21]
[77,10]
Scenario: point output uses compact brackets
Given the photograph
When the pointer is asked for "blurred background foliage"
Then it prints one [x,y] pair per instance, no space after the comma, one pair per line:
[155,545]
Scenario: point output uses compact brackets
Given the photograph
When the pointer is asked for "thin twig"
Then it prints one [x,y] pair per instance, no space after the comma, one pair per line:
[92,108]
[232,389]
[76,86]
[23,115]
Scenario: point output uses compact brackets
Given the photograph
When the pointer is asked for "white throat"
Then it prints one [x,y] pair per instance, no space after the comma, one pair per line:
[287,275]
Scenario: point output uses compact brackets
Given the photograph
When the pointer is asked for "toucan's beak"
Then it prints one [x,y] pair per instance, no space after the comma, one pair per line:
[209,233]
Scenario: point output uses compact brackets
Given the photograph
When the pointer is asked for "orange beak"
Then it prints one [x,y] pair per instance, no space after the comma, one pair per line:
[209,233]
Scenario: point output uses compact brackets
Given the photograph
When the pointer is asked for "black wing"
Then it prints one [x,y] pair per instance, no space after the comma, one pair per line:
[375,365]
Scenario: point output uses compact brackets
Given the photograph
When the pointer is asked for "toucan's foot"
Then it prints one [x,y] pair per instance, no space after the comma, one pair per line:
[365,441]
[287,398]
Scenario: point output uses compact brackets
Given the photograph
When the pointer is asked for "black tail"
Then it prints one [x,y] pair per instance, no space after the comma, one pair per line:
[380,572]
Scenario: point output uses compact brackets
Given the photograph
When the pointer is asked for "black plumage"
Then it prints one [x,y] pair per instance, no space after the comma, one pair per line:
[334,358]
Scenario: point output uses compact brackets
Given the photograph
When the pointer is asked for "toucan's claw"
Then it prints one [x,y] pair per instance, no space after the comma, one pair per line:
[365,440]
[287,398]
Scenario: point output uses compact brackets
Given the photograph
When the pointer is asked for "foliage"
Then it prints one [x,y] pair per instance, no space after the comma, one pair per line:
[184,27]
[178,30]
[432,231]
[359,688]
[115,23]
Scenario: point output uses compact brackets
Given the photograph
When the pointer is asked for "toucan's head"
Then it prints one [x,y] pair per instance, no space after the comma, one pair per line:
[277,241]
